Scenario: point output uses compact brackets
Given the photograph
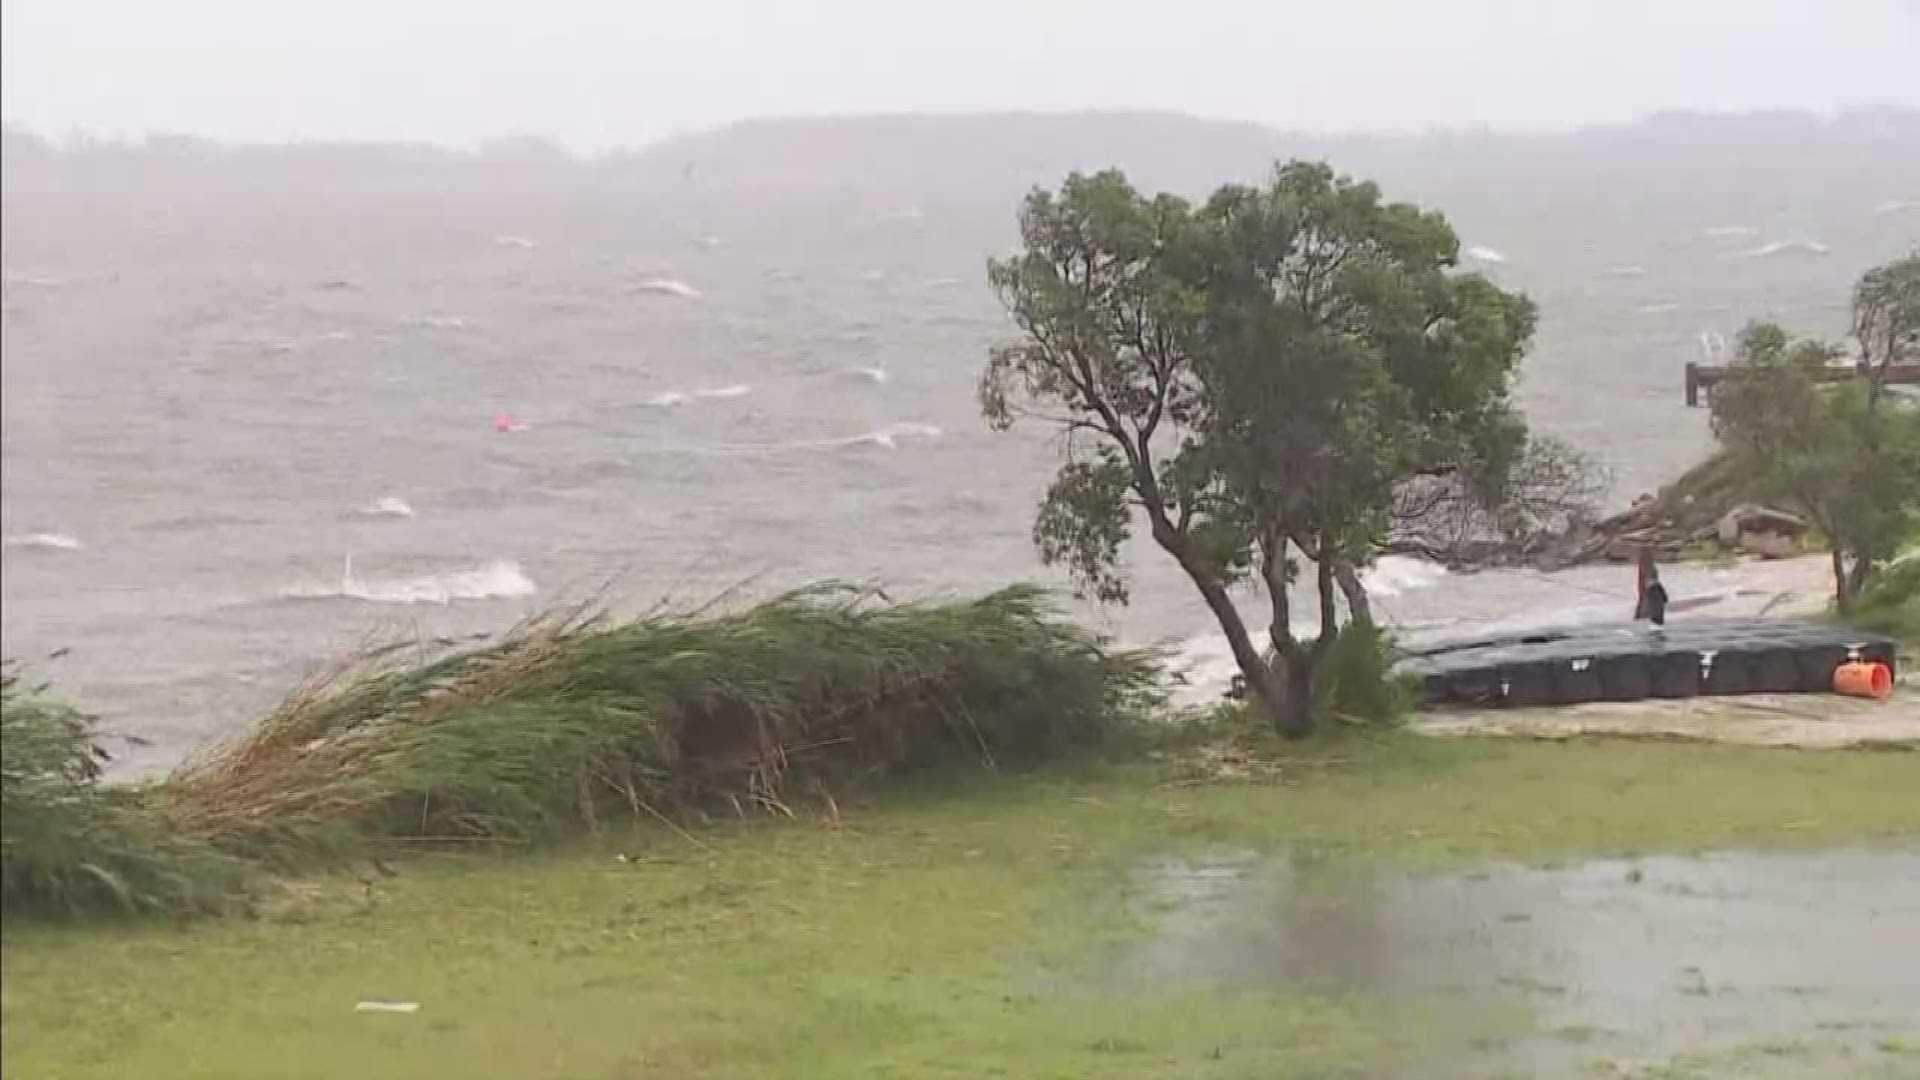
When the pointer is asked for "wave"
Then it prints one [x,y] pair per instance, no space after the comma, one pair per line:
[45,541]
[14,279]
[674,398]
[1626,271]
[1897,206]
[1781,247]
[941,282]
[1658,308]
[1392,575]
[1729,232]
[877,376]
[498,580]
[667,287]
[387,506]
[516,242]
[873,275]
[889,437]
[707,242]
[1485,254]
[439,322]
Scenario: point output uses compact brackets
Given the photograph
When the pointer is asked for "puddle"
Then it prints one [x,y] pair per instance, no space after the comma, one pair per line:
[1605,963]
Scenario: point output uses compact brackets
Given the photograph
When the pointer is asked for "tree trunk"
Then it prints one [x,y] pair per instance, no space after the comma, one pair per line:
[1857,577]
[1359,606]
[1292,711]
[1266,685]
[1297,723]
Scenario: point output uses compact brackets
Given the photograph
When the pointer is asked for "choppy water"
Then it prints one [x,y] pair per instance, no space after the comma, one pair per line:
[489,401]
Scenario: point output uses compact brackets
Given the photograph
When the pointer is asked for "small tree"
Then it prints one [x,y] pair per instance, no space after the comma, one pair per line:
[1255,378]
[1827,451]
[1886,319]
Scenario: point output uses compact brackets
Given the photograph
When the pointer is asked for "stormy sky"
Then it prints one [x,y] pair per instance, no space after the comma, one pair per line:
[598,73]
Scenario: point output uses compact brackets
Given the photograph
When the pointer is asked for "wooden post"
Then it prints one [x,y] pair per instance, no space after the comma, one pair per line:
[1693,384]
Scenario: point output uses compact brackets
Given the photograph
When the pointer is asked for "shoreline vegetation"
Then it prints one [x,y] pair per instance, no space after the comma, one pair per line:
[567,722]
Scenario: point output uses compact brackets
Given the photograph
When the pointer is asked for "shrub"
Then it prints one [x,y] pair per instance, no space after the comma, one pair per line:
[1890,603]
[1358,683]
[68,844]
[569,718]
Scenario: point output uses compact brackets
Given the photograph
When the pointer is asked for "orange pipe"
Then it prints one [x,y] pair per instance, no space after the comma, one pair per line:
[1868,679]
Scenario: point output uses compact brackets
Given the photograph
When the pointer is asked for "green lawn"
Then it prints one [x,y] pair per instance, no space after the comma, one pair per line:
[936,933]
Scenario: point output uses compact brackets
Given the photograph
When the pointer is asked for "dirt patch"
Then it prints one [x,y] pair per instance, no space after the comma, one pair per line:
[1810,721]
[1805,957]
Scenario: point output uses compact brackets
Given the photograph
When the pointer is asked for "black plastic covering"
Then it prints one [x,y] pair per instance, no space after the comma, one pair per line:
[1630,661]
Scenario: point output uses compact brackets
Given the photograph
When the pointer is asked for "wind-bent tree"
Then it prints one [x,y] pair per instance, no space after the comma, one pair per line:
[1886,319]
[1830,452]
[1256,378]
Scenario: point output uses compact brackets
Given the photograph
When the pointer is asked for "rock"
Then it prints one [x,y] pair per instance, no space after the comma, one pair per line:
[1768,545]
[1758,519]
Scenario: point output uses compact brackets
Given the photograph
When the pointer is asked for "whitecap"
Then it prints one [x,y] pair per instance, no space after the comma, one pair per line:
[334,335]
[45,541]
[668,287]
[877,376]
[707,242]
[890,436]
[501,579]
[1781,247]
[1729,232]
[673,398]
[1897,206]
[873,275]
[1627,271]
[387,506]
[1658,308]
[942,282]
[440,322]
[1485,254]
[516,242]
[1392,575]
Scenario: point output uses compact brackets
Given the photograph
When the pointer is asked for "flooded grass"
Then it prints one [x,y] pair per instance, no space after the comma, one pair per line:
[969,932]
[1784,954]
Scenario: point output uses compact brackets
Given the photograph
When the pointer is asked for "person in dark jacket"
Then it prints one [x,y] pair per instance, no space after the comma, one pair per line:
[1653,600]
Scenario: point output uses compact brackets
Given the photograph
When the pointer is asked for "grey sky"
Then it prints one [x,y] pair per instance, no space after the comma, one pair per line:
[594,73]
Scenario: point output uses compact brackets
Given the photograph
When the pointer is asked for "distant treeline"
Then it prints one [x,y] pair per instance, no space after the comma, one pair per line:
[931,154]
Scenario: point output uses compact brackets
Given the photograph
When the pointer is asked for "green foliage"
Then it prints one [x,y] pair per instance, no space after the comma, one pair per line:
[1358,683]
[1256,377]
[69,845]
[1890,602]
[1828,451]
[568,720]
[1886,312]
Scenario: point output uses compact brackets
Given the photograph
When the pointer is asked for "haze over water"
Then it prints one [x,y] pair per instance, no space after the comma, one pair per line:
[494,385]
